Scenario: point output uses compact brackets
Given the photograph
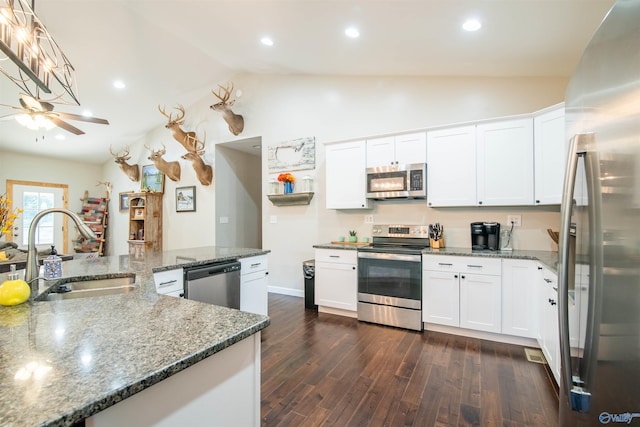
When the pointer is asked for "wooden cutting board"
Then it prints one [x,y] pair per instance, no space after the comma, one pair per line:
[351,243]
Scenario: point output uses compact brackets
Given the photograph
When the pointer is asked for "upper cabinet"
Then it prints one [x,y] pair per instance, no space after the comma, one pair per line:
[489,164]
[451,171]
[550,151]
[505,163]
[397,150]
[346,175]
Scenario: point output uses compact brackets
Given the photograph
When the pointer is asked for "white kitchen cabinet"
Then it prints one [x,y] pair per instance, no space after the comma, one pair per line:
[451,170]
[346,186]
[505,162]
[520,297]
[254,283]
[397,149]
[462,291]
[548,336]
[336,280]
[170,282]
[550,155]
[441,302]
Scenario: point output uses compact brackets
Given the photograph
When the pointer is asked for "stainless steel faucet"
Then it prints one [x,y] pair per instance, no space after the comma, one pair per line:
[31,271]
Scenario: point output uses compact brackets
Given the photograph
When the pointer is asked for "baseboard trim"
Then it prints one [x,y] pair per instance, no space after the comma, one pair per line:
[286,291]
[508,339]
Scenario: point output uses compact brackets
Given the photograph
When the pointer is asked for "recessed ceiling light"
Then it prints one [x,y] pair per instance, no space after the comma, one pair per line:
[267,41]
[60,137]
[87,113]
[352,32]
[471,25]
[119,84]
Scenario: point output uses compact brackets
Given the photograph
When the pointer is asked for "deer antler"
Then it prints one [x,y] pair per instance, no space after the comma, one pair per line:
[227,94]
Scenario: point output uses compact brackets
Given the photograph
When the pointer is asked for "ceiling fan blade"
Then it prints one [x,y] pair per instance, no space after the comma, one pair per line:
[64,125]
[8,117]
[31,103]
[82,118]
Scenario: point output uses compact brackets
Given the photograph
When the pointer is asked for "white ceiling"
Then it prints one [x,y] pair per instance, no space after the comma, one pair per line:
[175,51]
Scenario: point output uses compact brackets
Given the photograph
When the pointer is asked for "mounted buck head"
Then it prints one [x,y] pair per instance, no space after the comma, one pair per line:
[132,171]
[203,171]
[170,169]
[235,121]
[186,139]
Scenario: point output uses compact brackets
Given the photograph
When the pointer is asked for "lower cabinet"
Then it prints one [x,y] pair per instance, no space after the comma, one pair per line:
[170,282]
[336,279]
[462,291]
[254,283]
[548,336]
[520,297]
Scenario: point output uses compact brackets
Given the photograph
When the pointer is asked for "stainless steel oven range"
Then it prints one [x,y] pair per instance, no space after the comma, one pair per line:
[390,276]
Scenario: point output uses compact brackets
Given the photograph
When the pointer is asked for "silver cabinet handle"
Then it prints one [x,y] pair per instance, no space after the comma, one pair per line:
[445,263]
[334,256]
[474,266]
[169,282]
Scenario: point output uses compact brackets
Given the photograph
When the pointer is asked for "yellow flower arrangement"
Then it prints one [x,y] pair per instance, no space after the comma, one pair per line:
[7,216]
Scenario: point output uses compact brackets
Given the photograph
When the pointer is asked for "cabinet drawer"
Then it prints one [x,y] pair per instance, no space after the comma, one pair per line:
[338,256]
[253,264]
[459,264]
[169,281]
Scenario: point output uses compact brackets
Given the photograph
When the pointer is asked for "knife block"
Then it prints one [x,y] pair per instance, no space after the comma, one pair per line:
[436,244]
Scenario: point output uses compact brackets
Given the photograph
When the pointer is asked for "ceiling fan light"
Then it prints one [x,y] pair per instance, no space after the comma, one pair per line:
[34,122]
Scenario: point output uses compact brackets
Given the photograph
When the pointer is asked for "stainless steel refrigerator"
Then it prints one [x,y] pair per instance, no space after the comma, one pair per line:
[599,269]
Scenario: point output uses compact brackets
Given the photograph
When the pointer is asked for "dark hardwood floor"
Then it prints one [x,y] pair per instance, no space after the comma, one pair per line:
[321,369]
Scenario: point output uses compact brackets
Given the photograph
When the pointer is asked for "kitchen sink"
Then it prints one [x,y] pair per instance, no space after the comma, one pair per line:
[91,288]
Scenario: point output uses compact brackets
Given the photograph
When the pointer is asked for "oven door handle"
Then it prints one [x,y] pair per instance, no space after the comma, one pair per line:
[390,256]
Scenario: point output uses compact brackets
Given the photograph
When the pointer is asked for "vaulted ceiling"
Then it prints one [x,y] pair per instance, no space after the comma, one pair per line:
[169,51]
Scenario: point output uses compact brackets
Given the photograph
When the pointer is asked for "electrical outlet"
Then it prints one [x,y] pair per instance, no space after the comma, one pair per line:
[368,219]
[515,219]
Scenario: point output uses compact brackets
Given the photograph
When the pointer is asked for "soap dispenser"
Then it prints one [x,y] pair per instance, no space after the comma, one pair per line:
[14,290]
[52,265]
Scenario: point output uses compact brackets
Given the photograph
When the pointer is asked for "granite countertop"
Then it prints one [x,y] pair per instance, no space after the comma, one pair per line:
[63,361]
[548,258]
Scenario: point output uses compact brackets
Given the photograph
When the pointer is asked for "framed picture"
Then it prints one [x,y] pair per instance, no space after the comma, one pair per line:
[152,179]
[186,199]
[124,202]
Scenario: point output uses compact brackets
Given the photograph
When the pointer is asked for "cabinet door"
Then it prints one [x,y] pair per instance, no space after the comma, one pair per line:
[550,335]
[480,302]
[169,281]
[505,163]
[451,169]
[550,149]
[519,297]
[254,292]
[381,151]
[411,148]
[346,176]
[440,298]
[336,285]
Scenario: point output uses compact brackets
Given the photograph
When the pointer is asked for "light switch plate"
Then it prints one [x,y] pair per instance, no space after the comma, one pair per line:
[273,219]
[224,220]
[368,219]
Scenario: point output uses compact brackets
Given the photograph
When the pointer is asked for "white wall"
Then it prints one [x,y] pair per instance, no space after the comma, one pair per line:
[279,108]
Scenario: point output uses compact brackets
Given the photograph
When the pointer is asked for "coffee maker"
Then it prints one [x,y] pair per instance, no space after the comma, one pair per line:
[485,235]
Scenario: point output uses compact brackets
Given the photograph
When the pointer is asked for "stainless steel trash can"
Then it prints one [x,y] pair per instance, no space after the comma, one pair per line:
[309,272]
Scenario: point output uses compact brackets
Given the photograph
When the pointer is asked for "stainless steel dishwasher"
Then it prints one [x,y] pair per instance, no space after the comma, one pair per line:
[217,284]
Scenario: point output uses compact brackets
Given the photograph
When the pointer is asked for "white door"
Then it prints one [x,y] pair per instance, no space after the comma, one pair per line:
[381,152]
[411,148]
[33,199]
[346,182]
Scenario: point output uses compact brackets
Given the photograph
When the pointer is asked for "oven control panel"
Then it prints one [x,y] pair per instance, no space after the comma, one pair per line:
[395,230]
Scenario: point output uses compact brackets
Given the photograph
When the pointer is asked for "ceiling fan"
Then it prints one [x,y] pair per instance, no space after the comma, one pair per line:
[36,114]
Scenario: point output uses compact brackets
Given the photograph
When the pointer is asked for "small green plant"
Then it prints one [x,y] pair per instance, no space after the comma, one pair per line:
[352,233]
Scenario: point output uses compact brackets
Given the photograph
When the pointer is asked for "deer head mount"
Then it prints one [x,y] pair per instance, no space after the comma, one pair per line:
[187,139]
[203,171]
[235,121]
[170,169]
[132,171]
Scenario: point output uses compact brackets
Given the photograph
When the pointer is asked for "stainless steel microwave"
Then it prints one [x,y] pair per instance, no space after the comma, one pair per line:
[397,182]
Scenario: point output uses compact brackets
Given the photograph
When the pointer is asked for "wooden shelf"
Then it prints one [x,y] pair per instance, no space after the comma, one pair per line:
[290,199]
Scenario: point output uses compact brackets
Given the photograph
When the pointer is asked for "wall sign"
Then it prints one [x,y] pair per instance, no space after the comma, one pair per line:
[297,154]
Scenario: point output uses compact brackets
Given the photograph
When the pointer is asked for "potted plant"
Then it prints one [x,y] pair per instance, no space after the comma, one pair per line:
[353,236]
[288,181]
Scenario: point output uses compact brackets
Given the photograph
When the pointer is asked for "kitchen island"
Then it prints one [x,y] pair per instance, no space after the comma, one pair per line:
[137,356]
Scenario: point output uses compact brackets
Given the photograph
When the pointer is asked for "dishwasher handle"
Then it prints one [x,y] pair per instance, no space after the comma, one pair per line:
[210,270]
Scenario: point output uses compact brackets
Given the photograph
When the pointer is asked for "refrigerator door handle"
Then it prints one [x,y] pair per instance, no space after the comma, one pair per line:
[579,398]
